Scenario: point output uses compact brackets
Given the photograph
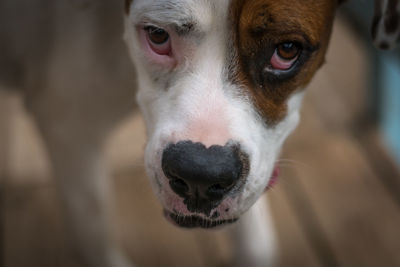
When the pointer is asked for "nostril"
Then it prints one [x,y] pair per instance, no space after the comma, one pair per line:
[217,191]
[179,186]
[171,174]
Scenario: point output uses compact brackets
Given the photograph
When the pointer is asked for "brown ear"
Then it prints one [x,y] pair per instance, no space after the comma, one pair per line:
[386,24]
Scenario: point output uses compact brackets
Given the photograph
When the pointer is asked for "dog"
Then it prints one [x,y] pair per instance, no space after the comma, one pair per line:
[219,84]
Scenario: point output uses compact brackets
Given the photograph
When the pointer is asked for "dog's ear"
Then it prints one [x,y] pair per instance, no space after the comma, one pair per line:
[386,24]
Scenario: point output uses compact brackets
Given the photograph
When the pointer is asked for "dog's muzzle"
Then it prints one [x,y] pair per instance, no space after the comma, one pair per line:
[202,176]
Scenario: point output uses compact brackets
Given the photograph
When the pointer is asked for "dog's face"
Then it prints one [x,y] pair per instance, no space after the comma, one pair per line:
[220,87]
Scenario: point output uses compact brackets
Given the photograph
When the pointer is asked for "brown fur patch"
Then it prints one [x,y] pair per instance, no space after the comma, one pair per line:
[260,25]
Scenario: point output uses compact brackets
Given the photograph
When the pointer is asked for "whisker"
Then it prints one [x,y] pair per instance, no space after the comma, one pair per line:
[293,162]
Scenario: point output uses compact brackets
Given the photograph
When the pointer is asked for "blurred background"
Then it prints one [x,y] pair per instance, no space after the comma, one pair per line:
[337,202]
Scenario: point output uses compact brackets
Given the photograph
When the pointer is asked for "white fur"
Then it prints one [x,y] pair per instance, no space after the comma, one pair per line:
[200,93]
[253,237]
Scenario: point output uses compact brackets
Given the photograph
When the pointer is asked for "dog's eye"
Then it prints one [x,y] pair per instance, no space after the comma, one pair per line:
[288,51]
[157,36]
[285,55]
[158,39]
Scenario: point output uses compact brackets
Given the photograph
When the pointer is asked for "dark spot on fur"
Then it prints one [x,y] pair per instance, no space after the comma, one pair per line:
[185,28]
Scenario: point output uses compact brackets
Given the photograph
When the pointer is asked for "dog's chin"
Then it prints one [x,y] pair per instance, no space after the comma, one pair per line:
[194,221]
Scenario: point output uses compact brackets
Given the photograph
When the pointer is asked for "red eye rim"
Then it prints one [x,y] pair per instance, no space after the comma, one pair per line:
[278,62]
[161,45]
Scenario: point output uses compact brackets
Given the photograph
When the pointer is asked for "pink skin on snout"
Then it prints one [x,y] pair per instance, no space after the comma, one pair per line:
[209,126]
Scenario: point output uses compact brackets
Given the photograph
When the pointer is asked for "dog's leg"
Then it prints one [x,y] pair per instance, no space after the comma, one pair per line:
[253,238]
[87,87]
[80,88]
[78,163]
[75,118]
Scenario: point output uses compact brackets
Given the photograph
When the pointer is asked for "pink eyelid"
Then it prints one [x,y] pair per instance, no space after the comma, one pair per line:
[162,55]
[160,49]
[279,63]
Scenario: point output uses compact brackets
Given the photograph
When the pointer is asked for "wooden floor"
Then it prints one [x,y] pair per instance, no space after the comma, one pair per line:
[337,203]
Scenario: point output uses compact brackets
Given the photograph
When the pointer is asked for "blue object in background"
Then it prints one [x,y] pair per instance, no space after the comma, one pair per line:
[390,102]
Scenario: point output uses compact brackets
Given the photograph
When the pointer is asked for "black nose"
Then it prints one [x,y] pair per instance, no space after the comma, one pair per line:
[203,174]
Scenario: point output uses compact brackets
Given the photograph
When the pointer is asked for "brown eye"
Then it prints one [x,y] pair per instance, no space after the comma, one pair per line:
[288,50]
[285,55]
[157,36]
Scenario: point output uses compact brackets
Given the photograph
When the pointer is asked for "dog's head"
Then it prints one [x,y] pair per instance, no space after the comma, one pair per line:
[220,87]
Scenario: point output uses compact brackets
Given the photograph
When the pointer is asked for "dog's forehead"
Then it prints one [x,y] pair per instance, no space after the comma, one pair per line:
[310,13]
[247,30]
[204,14]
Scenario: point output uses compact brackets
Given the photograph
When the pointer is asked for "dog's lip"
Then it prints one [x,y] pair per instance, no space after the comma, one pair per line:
[274,177]
[194,221]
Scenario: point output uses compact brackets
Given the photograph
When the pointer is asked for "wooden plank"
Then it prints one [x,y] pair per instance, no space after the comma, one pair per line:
[26,155]
[293,247]
[361,221]
[381,160]
[34,230]
[340,87]
[4,151]
[3,134]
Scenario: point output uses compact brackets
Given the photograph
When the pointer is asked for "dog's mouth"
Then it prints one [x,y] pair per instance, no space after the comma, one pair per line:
[274,177]
[194,221]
